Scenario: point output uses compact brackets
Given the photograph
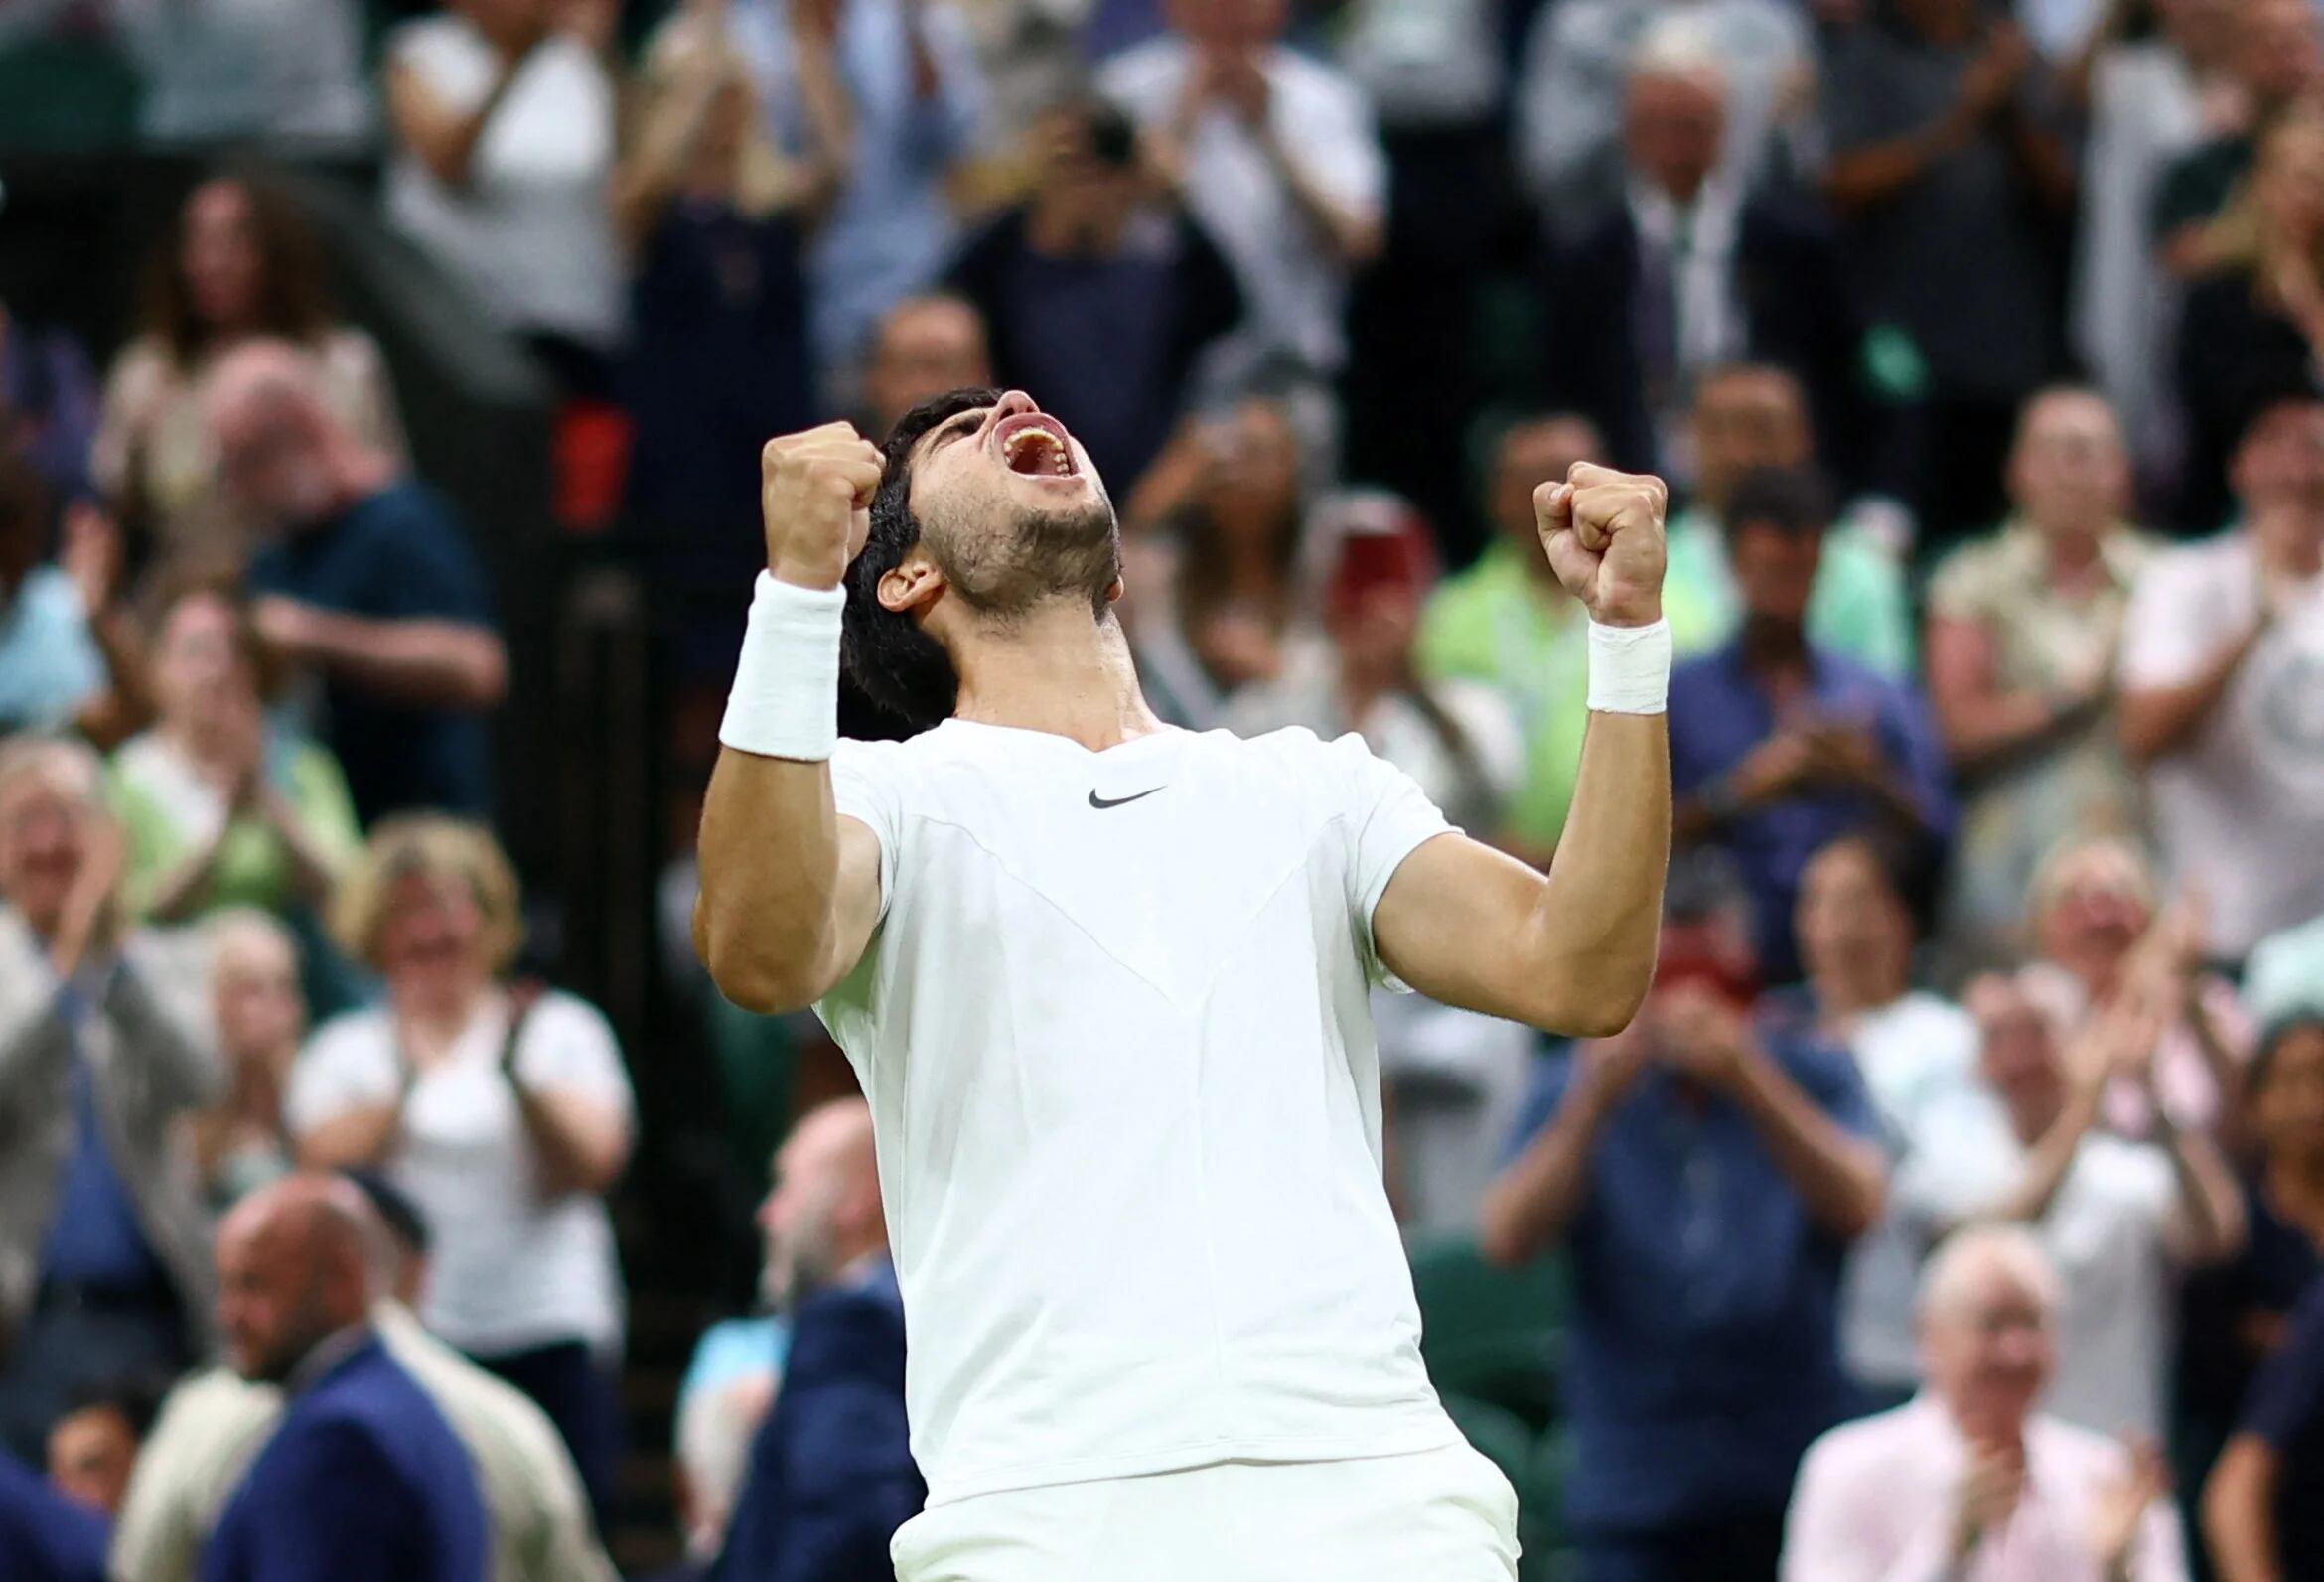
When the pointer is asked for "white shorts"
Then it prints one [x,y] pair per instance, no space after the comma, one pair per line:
[1441,1516]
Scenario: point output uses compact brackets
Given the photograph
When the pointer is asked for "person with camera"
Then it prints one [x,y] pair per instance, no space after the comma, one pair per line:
[1100,289]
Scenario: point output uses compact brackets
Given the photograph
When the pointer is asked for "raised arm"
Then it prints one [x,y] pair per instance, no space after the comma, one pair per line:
[791,891]
[425,661]
[1570,952]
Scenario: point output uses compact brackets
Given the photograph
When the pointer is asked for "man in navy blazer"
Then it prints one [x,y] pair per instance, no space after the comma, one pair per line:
[363,1481]
[1688,272]
[832,1475]
[44,1536]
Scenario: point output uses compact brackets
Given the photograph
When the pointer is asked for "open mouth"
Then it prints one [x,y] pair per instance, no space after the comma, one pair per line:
[1033,445]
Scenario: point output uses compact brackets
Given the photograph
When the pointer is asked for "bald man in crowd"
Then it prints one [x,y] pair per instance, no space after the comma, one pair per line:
[216,1422]
[366,580]
[363,1481]
[832,1475]
[1970,1479]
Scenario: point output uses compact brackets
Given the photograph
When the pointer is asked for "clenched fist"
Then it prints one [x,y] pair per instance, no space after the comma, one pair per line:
[815,491]
[1603,531]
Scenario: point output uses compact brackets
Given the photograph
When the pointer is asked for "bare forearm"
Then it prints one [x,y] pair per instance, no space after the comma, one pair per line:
[1838,1177]
[2160,721]
[1982,727]
[830,124]
[2238,1515]
[445,140]
[181,890]
[2208,1198]
[1355,236]
[314,872]
[1527,1209]
[1870,177]
[580,1146]
[2045,1169]
[2047,167]
[766,923]
[361,1137]
[1600,909]
[425,663]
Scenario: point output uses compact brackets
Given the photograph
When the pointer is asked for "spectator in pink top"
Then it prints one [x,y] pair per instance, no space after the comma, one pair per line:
[1969,1481]
[2093,918]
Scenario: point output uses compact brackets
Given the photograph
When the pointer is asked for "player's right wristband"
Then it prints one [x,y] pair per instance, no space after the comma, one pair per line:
[1630,668]
[786,697]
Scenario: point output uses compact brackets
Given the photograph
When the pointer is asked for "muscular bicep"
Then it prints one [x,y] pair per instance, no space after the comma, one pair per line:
[1459,923]
[789,886]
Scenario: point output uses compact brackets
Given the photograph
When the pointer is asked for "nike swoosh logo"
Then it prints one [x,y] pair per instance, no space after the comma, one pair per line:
[1097,800]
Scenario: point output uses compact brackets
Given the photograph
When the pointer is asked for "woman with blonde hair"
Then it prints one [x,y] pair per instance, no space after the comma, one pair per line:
[2253,329]
[2101,937]
[504,1112]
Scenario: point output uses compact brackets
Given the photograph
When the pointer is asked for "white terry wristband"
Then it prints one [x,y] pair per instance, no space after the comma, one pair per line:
[786,697]
[1630,668]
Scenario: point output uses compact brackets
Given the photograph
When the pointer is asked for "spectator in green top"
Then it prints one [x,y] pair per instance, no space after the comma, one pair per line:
[1752,415]
[220,808]
[1507,621]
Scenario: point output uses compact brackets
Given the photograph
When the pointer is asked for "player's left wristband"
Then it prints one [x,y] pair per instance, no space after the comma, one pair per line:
[785,702]
[1630,668]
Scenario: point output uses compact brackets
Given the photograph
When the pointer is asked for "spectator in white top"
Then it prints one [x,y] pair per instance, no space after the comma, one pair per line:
[2120,1219]
[1278,159]
[506,1115]
[214,72]
[1569,98]
[2223,690]
[1971,1481]
[1856,920]
[502,119]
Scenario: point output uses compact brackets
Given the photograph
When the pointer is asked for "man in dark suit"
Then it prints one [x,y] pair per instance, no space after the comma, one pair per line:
[832,1475]
[363,1481]
[44,1536]
[1688,272]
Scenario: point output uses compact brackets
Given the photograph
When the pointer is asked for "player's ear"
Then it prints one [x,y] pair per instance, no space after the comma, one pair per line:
[1114,589]
[912,584]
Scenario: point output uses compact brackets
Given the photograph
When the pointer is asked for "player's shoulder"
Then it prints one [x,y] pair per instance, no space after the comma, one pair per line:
[1297,748]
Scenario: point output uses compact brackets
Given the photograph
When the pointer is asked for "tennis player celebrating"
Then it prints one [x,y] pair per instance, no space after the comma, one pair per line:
[1106,984]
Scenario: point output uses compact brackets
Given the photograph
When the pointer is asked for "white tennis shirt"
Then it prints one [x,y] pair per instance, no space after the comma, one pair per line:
[1115,1032]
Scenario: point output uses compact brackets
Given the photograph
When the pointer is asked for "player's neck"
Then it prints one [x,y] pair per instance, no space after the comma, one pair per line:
[1054,670]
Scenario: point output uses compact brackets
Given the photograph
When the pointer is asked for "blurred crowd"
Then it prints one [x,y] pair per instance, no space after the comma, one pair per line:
[1952,1209]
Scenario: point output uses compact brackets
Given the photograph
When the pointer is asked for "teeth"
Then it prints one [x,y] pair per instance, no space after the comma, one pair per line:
[1014,451]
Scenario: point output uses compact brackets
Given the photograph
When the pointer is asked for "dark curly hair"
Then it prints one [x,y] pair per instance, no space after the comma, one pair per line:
[900,667]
